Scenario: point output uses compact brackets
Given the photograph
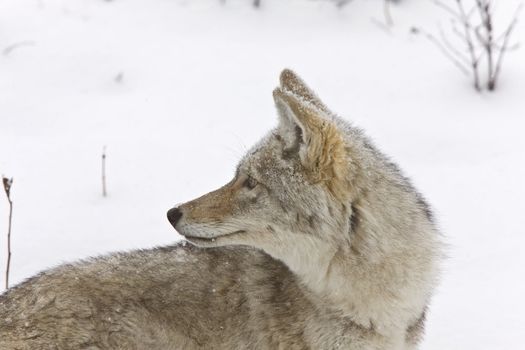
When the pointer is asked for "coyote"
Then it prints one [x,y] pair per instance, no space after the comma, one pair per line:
[319,242]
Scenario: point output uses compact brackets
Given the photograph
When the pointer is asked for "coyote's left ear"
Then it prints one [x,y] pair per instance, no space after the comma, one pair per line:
[291,82]
[308,131]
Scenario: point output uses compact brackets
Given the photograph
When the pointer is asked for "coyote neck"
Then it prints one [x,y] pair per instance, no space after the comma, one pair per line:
[336,281]
[340,278]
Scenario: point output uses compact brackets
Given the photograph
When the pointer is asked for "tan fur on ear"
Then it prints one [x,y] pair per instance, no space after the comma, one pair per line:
[290,81]
[324,156]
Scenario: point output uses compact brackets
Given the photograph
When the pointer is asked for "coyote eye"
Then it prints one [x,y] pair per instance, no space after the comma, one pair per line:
[249,183]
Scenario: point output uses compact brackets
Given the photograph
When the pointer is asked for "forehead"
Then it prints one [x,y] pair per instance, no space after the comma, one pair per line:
[267,152]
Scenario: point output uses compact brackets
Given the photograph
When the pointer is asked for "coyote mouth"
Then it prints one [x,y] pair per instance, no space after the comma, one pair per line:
[211,240]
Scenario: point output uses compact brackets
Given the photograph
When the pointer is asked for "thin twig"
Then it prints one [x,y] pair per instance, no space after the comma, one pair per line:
[457,62]
[447,8]
[512,47]
[459,55]
[504,46]
[104,189]
[342,3]
[458,32]
[388,15]
[382,26]
[7,188]
[453,12]
[8,49]
[468,38]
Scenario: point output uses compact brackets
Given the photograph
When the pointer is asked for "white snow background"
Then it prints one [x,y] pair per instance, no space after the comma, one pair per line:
[178,90]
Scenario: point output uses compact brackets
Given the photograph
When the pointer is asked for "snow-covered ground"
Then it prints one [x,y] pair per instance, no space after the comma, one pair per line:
[178,90]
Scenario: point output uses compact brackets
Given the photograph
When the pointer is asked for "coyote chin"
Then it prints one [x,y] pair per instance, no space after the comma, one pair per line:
[319,242]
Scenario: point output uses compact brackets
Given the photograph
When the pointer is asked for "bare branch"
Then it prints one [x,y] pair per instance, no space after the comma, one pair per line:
[477,33]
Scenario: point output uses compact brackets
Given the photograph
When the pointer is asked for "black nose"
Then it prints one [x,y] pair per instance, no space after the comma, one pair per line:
[174,215]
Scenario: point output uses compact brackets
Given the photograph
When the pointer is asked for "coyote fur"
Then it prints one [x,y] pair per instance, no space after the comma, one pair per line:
[318,242]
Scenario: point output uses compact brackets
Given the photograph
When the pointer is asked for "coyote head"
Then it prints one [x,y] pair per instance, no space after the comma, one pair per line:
[291,191]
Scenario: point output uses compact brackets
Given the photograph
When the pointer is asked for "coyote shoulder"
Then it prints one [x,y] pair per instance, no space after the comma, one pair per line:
[319,242]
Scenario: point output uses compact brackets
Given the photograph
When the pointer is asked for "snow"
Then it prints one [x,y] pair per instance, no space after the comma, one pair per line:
[178,90]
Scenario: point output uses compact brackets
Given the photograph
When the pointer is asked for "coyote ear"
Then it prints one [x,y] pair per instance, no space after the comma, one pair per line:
[290,128]
[301,123]
[306,130]
[290,81]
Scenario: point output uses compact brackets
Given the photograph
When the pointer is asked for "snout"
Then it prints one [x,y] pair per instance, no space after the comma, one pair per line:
[174,215]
